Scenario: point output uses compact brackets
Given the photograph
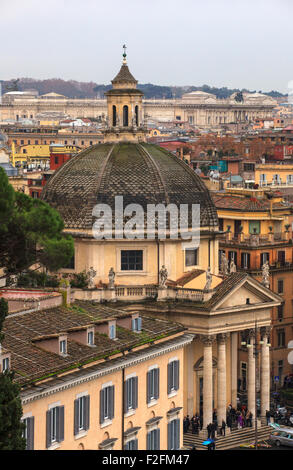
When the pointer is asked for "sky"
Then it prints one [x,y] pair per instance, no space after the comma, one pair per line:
[233,43]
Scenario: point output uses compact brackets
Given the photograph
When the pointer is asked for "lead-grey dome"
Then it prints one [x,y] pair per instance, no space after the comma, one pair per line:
[141,173]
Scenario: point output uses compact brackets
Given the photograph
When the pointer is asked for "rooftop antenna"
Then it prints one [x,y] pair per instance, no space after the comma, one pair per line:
[124,54]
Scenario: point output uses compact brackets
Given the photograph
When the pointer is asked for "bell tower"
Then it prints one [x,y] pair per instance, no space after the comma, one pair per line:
[125,109]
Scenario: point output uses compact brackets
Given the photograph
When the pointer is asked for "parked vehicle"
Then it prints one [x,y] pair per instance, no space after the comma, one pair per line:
[282,436]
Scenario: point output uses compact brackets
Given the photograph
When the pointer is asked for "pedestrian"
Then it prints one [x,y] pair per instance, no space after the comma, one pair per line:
[209,429]
[223,428]
[268,417]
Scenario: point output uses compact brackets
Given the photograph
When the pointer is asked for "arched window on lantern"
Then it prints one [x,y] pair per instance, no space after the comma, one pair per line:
[114,115]
[125,116]
[136,114]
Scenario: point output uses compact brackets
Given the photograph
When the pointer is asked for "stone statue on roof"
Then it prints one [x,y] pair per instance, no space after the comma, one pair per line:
[232,267]
[224,264]
[266,275]
[163,275]
[208,279]
[111,277]
[91,275]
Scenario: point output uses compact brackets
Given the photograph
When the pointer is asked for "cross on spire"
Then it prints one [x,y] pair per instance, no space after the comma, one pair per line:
[124,54]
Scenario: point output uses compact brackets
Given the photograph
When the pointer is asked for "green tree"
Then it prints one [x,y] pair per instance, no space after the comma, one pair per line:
[11,426]
[30,232]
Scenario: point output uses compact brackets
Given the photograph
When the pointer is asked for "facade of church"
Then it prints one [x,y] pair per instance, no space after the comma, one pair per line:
[164,278]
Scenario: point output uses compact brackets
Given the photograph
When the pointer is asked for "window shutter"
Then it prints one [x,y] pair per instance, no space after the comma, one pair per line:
[177,375]
[111,396]
[60,424]
[126,446]
[135,388]
[148,441]
[135,444]
[169,372]
[157,439]
[126,387]
[30,433]
[157,383]
[177,434]
[102,411]
[48,429]
[87,413]
[170,436]
[148,387]
[76,417]
[139,323]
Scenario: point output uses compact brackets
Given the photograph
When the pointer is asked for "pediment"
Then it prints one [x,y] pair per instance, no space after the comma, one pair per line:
[248,288]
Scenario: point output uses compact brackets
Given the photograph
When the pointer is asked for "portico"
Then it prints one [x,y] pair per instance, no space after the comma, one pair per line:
[239,306]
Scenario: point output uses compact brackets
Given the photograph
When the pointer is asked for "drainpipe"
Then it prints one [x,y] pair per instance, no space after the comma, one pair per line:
[122,414]
[158,258]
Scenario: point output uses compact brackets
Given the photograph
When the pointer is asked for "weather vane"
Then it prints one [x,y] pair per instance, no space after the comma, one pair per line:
[124,54]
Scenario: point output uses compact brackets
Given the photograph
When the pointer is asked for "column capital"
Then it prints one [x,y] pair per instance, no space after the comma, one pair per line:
[265,330]
[207,340]
[222,337]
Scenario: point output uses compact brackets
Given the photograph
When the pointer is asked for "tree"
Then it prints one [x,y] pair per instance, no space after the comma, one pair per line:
[11,426]
[31,232]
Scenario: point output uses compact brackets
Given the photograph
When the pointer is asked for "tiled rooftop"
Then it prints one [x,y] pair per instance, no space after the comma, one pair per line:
[31,362]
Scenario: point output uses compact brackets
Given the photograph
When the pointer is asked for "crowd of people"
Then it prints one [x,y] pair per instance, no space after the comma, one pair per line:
[235,419]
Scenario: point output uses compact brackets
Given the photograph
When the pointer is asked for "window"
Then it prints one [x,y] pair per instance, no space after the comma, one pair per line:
[125,116]
[90,338]
[131,260]
[221,225]
[130,394]
[36,142]
[174,434]
[136,114]
[131,445]
[281,338]
[248,167]
[232,255]
[62,345]
[280,369]
[28,432]
[280,312]
[55,425]
[114,115]
[81,414]
[173,376]
[245,260]
[56,160]
[280,286]
[112,331]
[107,403]
[136,324]
[254,227]
[5,364]
[281,258]
[264,257]
[191,257]
[153,377]
[153,439]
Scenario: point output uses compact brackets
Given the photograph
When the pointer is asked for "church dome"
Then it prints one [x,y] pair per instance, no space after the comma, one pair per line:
[141,173]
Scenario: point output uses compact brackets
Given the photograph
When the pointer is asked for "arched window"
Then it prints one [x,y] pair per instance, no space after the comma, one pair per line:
[125,116]
[114,115]
[136,114]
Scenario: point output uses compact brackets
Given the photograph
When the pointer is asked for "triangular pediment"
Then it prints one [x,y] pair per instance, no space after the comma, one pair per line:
[244,293]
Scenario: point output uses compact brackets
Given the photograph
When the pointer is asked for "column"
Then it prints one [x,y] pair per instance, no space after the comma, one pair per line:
[251,376]
[265,372]
[207,380]
[221,388]
[234,365]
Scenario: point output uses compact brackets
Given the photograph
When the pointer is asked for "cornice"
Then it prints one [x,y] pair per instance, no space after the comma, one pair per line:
[71,381]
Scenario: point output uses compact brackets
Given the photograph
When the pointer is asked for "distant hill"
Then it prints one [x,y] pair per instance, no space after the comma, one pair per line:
[75,89]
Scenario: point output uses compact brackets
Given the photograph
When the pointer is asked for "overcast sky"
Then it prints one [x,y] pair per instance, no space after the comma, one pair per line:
[233,43]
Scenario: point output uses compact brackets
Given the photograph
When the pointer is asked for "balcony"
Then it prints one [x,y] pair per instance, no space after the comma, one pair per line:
[233,238]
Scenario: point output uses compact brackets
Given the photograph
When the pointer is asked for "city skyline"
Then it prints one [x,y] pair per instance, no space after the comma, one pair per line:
[218,44]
